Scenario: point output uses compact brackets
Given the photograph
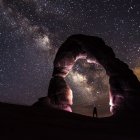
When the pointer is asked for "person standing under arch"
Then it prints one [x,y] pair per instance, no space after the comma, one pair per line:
[95,114]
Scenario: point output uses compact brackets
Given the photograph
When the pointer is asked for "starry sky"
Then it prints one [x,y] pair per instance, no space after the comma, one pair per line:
[31,31]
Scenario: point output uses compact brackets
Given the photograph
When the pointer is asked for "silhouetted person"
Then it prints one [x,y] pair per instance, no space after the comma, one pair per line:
[95,112]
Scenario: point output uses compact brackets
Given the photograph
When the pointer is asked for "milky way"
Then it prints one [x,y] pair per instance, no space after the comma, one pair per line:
[31,32]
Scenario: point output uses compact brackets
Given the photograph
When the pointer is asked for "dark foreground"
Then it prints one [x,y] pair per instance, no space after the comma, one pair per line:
[22,123]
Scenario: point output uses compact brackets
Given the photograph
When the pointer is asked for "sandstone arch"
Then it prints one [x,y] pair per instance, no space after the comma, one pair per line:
[124,85]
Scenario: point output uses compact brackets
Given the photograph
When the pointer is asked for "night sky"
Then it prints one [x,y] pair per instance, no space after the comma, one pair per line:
[31,31]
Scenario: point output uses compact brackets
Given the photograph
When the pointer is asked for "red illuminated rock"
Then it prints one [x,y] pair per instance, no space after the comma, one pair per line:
[124,85]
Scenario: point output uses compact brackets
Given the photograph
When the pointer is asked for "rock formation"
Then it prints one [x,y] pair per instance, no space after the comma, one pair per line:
[124,85]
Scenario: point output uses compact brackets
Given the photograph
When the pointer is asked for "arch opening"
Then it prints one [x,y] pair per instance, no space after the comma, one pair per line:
[90,86]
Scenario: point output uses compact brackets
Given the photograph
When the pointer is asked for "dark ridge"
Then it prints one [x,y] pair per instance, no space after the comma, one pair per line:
[25,122]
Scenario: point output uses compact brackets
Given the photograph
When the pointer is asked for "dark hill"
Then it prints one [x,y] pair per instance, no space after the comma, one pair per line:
[24,122]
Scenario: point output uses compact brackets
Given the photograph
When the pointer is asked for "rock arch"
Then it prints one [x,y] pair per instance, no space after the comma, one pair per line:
[124,85]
